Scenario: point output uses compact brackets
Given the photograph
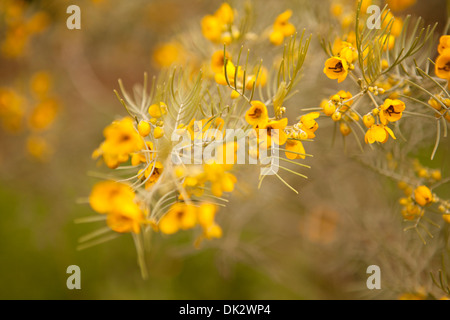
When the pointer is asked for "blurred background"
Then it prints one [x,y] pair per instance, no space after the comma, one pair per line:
[277,245]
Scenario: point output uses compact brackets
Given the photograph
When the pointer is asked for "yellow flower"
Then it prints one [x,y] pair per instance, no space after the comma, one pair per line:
[423,195]
[442,67]
[446,217]
[295,146]
[225,13]
[217,61]
[144,128]
[400,5]
[157,110]
[379,133]
[38,22]
[261,81]
[180,216]
[435,104]
[211,28]
[121,139]
[221,180]
[309,124]
[126,217]
[274,130]
[387,42]
[167,54]
[368,120]
[345,129]
[282,28]
[345,50]
[397,23]
[327,107]
[43,114]
[391,110]
[39,148]
[158,132]
[336,9]
[214,25]
[336,68]
[205,125]
[444,43]
[41,83]
[106,195]
[152,174]
[206,213]
[257,114]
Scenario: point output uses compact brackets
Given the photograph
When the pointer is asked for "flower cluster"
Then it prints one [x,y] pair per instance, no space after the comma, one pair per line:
[173,158]
[171,185]
[20,26]
[219,26]
[33,110]
[442,66]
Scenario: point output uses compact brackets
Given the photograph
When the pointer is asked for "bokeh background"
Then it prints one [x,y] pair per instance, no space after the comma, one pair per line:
[277,245]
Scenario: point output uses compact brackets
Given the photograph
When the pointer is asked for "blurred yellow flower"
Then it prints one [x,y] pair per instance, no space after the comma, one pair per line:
[423,195]
[219,177]
[121,139]
[282,28]
[168,54]
[179,216]
[126,217]
[400,5]
[43,115]
[105,195]
[39,148]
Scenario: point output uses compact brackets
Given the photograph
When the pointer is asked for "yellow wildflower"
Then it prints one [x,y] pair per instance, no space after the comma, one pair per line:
[217,61]
[423,195]
[41,83]
[391,110]
[144,128]
[442,67]
[336,68]
[345,129]
[309,124]
[257,114]
[221,180]
[157,110]
[211,28]
[379,133]
[444,43]
[105,195]
[282,28]
[274,130]
[400,5]
[126,217]
[158,132]
[39,148]
[167,54]
[180,216]
[295,146]
[43,114]
[368,120]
